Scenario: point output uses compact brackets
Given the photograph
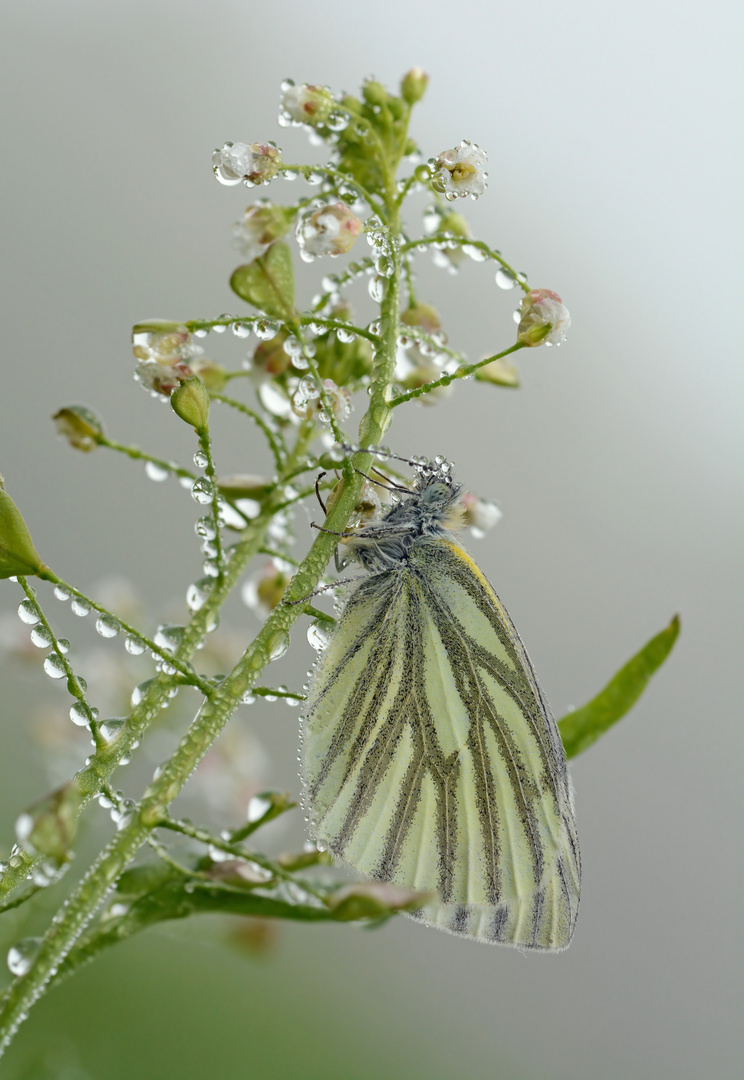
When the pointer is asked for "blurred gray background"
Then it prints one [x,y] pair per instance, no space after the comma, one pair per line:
[610,134]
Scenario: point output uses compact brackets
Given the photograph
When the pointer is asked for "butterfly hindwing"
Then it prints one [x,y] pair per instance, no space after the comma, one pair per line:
[431,759]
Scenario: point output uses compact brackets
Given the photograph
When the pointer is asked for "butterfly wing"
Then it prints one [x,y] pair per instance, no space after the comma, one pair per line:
[432,759]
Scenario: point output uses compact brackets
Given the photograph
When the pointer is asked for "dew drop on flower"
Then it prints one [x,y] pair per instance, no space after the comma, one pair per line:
[107,626]
[200,459]
[155,472]
[54,666]
[169,636]
[21,955]
[28,613]
[241,330]
[80,607]
[61,593]
[140,691]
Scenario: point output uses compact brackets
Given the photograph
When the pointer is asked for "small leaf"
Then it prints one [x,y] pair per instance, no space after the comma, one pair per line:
[579,729]
[268,282]
[17,552]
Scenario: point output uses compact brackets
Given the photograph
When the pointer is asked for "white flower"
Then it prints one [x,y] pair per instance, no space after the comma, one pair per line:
[460,172]
[479,515]
[259,227]
[330,230]
[545,319]
[306,104]
[256,163]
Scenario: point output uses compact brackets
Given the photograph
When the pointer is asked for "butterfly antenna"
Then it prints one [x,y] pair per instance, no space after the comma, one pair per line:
[318,478]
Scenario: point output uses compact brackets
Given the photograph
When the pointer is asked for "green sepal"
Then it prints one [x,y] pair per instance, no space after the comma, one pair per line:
[268,282]
[579,729]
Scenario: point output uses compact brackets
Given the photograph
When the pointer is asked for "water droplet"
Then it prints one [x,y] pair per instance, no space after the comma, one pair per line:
[274,401]
[28,612]
[202,491]
[110,729]
[200,459]
[135,646]
[377,288]
[41,637]
[197,593]
[345,336]
[107,626]
[155,472]
[267,328]
[61,593]
[81,714]
[63,645]
[140,691]
[169,636]
[278,644]
[258,806]
[54,666]
[21,955]
[517,315]
[80,607]
[504,279]
[319,635]
[374,327]
[241,330]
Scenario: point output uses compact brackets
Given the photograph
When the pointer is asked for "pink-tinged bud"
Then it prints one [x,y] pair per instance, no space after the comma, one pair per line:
[166,357]
[545,319]
[330,230]
[479,515]
[460,172]
[80,426]
[251,164]
[305,104]
[260,226]
[413,85]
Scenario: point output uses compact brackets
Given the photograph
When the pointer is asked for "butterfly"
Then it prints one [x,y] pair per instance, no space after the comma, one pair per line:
[431,759]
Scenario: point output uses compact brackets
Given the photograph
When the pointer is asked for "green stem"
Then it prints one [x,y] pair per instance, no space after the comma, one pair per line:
[438,239]
[461,373]
[136,454]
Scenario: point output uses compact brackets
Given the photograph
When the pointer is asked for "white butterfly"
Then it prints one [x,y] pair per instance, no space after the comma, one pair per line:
[431,758]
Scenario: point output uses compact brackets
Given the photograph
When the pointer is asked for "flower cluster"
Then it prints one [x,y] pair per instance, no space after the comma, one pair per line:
[167,357]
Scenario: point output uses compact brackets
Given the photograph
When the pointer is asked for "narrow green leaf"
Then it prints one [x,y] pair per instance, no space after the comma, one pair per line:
[268,282]
[579,729]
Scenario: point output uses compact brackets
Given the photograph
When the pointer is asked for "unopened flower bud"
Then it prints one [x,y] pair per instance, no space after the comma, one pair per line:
[80,426]
[263,591]
[260,226]
[17,552]
[413,85]
[545,319]
[374,93]
[423,315]
[460,172]
[254,163]
[190,401]
[330,230]
[48,827]
[307,104]
[270,357]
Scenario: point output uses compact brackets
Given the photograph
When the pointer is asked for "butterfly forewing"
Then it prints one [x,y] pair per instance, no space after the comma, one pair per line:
[432,760]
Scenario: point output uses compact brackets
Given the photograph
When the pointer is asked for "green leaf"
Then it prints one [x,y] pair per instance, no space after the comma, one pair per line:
[268,282]
[17,552]
[579,729]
